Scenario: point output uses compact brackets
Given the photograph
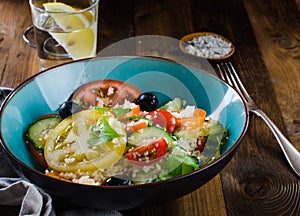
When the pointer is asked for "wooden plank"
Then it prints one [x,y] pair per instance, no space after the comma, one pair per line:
[258,181]
[277,26]
[209,199]
[15,65]
[114,21]
[248,181]
[158,17]
[278,34]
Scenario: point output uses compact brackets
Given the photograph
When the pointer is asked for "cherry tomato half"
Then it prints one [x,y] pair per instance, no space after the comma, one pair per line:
[111,92]
[148,153]
[162,118]
[201,141]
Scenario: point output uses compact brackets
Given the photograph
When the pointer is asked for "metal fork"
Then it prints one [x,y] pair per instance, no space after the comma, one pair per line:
[229,74]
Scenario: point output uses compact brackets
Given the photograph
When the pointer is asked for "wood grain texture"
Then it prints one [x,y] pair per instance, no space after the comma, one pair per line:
[267,186]
[258,180]
[17,55]
[110,29]
[255,190]
[210,196]
[278,34]
[158,17]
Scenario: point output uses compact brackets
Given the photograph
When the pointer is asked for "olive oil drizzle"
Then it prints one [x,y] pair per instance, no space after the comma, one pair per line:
[60,139]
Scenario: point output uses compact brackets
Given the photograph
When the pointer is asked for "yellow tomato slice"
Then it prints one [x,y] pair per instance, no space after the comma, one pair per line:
[67,149]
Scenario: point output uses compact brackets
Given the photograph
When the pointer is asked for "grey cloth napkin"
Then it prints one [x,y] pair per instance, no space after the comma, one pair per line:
[20,197]
[19,193]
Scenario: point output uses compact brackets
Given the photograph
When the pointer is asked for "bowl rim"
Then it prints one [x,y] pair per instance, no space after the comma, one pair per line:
[188,37]
[174,179]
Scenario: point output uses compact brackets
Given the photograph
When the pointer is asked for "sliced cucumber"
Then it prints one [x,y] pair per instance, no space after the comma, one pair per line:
[175,104]
[187,134]
[211,129]
[39,130]
[150,133]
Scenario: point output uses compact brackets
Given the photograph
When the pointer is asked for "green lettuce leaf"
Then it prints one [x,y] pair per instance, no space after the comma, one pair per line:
[102,133]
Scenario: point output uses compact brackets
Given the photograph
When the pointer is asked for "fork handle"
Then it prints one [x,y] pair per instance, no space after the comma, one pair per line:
[291,153]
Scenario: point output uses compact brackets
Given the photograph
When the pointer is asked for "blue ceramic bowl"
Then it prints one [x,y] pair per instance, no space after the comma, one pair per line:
[44,93]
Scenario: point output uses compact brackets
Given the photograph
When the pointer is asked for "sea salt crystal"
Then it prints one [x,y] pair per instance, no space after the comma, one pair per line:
[208,46]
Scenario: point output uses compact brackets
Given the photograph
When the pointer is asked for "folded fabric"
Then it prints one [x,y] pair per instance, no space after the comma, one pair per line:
[20,193]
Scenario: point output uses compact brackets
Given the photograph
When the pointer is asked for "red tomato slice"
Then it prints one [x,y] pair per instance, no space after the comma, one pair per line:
[111,92]
[162,118]
[148,153]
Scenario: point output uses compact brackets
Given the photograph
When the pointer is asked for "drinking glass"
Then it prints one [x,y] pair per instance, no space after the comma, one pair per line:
[64,30]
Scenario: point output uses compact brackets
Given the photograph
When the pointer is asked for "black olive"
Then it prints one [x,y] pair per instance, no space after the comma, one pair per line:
[198,161]
[147,102]
[117,181]
[69,108]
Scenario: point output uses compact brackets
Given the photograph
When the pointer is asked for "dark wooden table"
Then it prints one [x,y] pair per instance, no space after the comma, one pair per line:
[258,180]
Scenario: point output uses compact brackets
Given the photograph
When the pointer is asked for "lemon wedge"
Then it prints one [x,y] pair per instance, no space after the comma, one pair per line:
[78,36]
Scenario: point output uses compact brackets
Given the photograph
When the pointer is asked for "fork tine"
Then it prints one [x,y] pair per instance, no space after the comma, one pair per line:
[221,72]
[237,82]
[224,76]
[229,74]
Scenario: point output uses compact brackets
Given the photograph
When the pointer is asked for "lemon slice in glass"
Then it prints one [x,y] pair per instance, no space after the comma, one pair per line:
[78,30]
